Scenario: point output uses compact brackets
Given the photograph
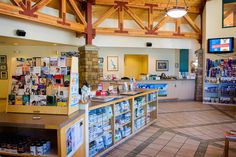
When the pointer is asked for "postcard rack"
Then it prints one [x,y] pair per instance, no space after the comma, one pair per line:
[44,85]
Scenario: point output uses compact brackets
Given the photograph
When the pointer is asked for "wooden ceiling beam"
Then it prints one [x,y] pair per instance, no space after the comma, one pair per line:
[159,6]
[135,17]
[161,23]
[39,5]
[16,2]
[13,11]
[77,12]
[142,33]
[111,11]
[192,24]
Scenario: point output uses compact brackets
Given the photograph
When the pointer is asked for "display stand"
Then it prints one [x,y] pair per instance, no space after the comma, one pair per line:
[68,107]
[111,123]
[220,82]
[54,128]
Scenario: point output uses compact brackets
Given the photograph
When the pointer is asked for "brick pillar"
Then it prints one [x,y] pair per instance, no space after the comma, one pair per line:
[199,77]
[88,66]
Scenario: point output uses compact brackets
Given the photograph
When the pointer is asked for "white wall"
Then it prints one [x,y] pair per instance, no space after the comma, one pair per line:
[38,32]
[28,51]
[154,54]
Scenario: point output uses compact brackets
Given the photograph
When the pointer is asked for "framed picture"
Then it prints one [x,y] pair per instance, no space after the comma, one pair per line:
[112,63]
[162,65]
[3,67]
[3,59]
[3,75]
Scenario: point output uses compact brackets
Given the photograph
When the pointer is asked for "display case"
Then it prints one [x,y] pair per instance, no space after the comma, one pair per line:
[51,135]
[220,82]
[113,122]
[44,85]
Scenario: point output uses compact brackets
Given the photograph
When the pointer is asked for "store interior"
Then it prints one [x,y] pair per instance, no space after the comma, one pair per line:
[117,78]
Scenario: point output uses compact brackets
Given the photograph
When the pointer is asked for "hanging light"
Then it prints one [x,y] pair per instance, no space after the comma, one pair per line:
[177,12]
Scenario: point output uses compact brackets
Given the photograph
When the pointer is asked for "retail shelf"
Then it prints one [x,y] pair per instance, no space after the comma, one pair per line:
[151,101]
[122,113]
[141,106]
[122,125]
[151,111]
[107,131]
[139,117]
[49,154]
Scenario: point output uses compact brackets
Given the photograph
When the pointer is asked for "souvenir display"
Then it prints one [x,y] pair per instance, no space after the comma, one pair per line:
[220,82]
[18,144]
[40,81]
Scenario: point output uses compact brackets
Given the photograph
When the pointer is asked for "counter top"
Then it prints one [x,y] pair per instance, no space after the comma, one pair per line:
[148,80]
[95,105]
[45,122]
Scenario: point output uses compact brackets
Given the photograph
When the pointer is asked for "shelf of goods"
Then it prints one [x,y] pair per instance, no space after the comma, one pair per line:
[45,85]
[113,122]
[220,82]
[51,135]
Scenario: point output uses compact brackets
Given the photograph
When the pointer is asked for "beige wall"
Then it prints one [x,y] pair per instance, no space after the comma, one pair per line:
[27,51]
[212,24]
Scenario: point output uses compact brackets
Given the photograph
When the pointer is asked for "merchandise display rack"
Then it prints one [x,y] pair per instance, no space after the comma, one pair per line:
[220,82]
[65,107]
[118,121]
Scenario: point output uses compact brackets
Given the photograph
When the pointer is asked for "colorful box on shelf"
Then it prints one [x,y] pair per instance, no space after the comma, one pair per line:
[220,82]
[44,85]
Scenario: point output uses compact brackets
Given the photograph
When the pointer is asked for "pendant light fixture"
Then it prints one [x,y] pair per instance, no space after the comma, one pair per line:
[176,11]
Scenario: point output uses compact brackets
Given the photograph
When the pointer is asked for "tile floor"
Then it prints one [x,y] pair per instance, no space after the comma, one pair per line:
[183,129]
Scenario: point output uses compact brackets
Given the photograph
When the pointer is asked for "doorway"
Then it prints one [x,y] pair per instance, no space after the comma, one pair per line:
[135,65]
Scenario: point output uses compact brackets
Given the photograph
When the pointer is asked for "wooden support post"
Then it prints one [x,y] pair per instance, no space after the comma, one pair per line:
[62,14]
[150,15]
[90,32]
[121,6]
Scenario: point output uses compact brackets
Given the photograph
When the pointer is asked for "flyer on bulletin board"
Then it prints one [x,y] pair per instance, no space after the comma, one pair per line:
[74,89]
[74,138]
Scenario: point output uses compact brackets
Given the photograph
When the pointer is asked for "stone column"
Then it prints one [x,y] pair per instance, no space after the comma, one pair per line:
[88,66]
[199,77]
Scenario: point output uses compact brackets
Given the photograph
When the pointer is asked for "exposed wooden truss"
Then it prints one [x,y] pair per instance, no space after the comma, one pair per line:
[146,28]
[25,10]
